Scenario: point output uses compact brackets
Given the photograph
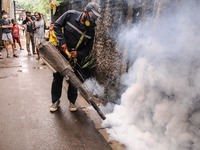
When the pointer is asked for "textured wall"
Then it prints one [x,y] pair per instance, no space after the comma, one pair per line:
[111,61]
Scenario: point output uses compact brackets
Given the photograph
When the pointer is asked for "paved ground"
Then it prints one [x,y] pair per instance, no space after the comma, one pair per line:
[25,120]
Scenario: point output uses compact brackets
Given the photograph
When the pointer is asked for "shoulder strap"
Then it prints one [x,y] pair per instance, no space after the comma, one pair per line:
[80,40]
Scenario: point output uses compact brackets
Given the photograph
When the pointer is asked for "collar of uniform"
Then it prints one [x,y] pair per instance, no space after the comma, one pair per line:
[79,17]
[79,22]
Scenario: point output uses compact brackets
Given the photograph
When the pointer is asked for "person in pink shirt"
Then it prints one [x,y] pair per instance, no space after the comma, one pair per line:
[15,34]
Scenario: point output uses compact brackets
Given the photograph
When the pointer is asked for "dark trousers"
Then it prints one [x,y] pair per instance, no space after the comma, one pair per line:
[56,89]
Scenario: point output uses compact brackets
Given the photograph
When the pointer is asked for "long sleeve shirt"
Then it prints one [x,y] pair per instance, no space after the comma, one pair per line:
[73,30]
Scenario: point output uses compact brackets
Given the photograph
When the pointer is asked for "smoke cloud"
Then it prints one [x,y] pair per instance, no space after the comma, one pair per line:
[94,87]
[160,110]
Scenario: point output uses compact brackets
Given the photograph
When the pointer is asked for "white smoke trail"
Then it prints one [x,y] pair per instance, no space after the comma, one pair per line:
[94,87]
[161,108]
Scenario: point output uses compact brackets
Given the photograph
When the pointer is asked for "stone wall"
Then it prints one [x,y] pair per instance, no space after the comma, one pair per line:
[109,59]
[113,62]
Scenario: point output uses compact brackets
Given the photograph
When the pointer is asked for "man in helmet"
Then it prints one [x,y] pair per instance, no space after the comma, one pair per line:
[75,42]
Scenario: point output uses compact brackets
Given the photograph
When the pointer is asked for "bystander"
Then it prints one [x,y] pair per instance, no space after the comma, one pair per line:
[29,32]
[15,34]
[6,26]
[39,32]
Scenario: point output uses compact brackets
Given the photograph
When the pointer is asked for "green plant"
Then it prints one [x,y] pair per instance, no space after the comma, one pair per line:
[88,63]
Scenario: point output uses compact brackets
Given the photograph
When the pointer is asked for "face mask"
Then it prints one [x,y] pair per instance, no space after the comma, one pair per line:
[89,22]
[5,16]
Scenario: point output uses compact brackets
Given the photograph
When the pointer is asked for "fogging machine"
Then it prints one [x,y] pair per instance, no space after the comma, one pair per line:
[58,63]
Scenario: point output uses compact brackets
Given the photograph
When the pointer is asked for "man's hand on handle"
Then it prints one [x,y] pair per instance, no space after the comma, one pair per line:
[65,49]
[74,53]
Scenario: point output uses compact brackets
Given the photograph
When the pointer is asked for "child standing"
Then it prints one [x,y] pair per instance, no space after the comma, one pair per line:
[15,34]
[52,36]
[6,26]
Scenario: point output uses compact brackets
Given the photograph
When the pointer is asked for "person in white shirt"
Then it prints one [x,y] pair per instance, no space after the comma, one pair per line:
[39,32]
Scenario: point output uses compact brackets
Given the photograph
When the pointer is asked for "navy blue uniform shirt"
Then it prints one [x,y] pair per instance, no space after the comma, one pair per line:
[73,30]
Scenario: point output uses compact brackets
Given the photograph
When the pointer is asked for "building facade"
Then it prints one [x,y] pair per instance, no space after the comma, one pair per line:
[8,6]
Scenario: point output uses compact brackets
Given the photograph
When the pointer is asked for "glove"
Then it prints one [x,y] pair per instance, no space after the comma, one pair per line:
[65,49]
[74,54]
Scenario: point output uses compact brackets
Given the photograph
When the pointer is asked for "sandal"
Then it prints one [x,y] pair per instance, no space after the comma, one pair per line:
[38,58]
[8,56]
[14,55]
